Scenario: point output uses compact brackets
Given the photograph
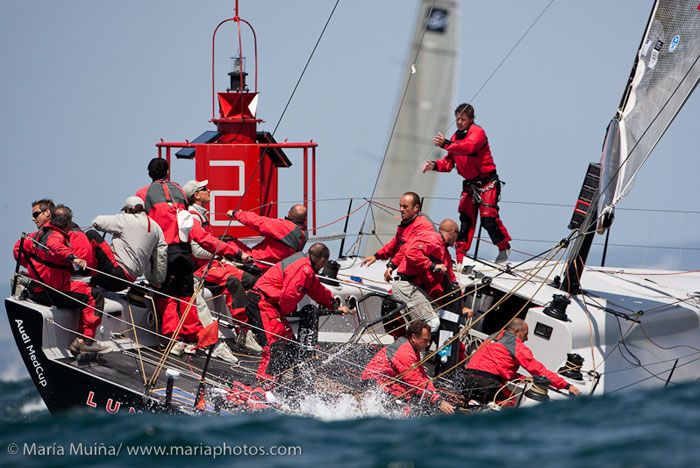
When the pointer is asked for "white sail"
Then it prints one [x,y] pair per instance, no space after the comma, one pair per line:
[424,105]
[666,72]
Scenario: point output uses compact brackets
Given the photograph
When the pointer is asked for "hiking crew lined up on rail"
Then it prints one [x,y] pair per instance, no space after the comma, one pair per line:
[163,233]
[469,151]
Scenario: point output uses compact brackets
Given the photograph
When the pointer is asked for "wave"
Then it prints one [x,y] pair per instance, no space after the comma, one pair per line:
[649,427]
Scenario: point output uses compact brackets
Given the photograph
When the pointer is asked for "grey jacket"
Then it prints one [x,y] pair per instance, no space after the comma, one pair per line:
[200,214]
[138,244]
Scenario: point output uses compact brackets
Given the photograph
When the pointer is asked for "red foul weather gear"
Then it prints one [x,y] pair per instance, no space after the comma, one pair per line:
[179,284]
[482,196]
[163,199]
[50,263]
[393,250]
[395,367]
[82,248]
[48,256]
[423,252]
[221,277]
[173,310]
[282,237]
[505,354]
[211,244]
[469,151]
[276,295]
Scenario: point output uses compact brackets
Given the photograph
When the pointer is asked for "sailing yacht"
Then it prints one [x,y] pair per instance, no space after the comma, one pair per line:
[607,329]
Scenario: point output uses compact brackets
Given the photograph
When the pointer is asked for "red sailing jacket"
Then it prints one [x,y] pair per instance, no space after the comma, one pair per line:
[202,236]
[283,237]
[471,154]
[400,359]
[162,201]
[286,283]
[393,250]
[80,245]
[505,354]
[422,253]
[53,262]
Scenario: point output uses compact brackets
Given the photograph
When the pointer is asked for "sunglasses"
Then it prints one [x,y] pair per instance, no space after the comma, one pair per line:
[202,189]
[36,214]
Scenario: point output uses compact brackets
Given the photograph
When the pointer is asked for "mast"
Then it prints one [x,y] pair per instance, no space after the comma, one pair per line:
[423,108]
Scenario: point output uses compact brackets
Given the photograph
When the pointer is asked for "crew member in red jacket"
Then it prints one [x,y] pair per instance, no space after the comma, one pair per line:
[412,221]
[78,239]
[396,369]
[82,247]
[282,237]
[469,151]
[221,277]
[276,295]
[498,361]
[424,271]
[49,259]
[163,201]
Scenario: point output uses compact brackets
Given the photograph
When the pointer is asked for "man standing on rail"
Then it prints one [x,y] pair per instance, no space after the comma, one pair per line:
[470,152]
[498,361]
[396,368]
[276,295]
[412,221]
[282,237]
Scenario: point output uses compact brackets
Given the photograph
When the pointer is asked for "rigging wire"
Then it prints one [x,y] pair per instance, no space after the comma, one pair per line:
[527,31]
[401,101]
[614,175]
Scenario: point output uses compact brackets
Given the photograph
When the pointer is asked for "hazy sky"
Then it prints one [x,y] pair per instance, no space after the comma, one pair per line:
[89,87]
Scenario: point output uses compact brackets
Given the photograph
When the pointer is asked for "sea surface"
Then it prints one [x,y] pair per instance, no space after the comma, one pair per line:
[644,428]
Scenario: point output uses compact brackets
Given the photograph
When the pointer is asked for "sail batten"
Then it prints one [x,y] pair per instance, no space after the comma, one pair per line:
[666,72]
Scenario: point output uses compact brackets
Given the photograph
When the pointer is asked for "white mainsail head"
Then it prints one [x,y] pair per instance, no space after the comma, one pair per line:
[424,107]
[666,72]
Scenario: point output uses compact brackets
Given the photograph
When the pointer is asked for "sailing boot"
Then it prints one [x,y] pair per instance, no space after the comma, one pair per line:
[503,256]
[223,352]
[178,348]
[74,347]
[88,345]
[246,339]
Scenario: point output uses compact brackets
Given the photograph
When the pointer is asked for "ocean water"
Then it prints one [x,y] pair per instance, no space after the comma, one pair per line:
[644,428]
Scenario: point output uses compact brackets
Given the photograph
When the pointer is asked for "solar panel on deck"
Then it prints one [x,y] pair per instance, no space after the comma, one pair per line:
[206,137]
